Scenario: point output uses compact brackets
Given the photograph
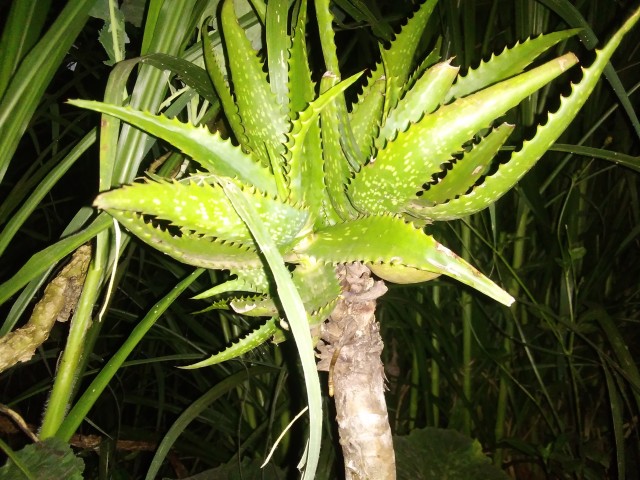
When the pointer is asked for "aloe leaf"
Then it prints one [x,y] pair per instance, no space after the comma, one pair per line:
[222,88]
[243,345]
[305,179]
[278,44]
[572,16]
[424,97]
[404,246]
[247,280]
[335,121]
[336,166]
[466,171]
[217,155]
[259,111]
[398,58]
[392,241]
[510,62]
[194,250]
[366,116]
[391,179]
[521,161]
[301,87]
[200,208]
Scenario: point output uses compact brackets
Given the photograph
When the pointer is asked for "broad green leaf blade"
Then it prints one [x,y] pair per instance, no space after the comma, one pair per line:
[199,207]
[510,62]
[194,250]
[215,154]
[404,246]
[465,172]
[51,458]
[521,161]
[243,345]
[392,179]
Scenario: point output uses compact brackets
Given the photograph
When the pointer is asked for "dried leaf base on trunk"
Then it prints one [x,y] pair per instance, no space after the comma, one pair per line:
[350,351]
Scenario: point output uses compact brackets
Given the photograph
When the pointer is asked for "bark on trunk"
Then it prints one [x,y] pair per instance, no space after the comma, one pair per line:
[350,351]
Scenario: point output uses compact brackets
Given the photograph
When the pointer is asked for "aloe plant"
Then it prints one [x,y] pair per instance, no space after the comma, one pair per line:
[338,192]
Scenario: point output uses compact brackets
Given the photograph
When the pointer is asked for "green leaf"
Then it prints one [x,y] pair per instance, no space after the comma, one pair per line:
[521,161]
[398,171]
[52,459]
[306,172]
[262,118]
[278,44]
[215,154]
[403,245]
[399,57]
[199,207]
[435,453]
[425,96]
[295,313]
[245,344]
[510,62]
[223,89]
[24,92]
[188,72]
[465,172]
[194,250]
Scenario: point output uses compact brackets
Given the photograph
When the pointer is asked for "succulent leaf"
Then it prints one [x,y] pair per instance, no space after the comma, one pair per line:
[278,44]
[194,250]
[215,154]
[510,62]
[366,116]
[260,113]
[223,89]
[393,178]
[466,171]
[399,57]
[522,160]
[424,97]
[403,245]
[247,280]
[201,208]
[301,87]
[247,343]
[305,182]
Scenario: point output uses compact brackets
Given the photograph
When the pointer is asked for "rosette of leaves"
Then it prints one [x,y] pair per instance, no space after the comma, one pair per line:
[334,183]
